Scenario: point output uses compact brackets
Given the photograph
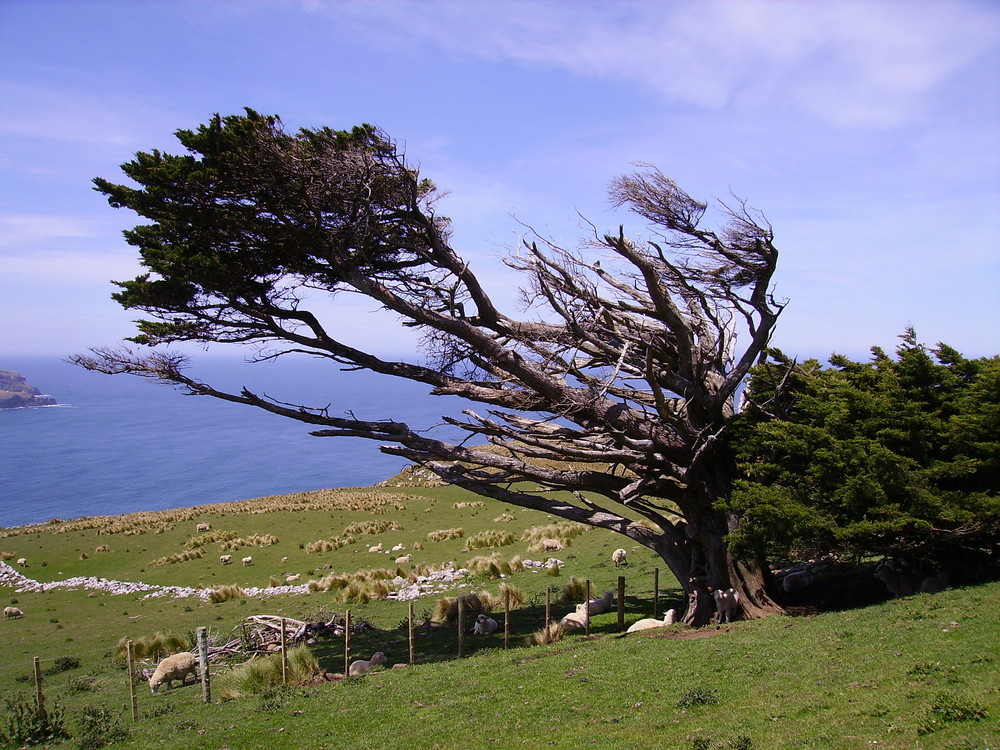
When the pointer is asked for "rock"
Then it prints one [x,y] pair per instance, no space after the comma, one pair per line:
[16,392]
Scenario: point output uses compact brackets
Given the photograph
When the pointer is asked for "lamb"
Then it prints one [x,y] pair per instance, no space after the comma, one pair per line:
[360,666]
[398,548]
[404,559]
[649,623]
[226,559]
[247,560]
[796,581]
[551,545]
[174,667]
[22,562]
[12,613]
[574,620]
[376,548]
[484,625]
[618,557]
[204,527]
[292,579]
[726,602]
[600,605]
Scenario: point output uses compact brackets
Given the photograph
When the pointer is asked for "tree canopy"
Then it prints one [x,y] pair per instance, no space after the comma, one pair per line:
[895,456]
[611,393]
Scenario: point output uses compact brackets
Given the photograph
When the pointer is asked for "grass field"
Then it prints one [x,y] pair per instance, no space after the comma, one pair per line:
[919,672]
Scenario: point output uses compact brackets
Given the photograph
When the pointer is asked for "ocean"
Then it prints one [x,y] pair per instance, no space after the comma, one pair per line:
[120,444]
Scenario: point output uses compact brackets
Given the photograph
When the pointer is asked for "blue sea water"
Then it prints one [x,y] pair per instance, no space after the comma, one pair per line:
[120,444]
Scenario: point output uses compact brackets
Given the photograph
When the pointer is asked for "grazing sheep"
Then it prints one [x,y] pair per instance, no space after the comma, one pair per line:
[550,545]
[174,667]
[360,666]
[796,581]
[404,559]
[649,623]
[398,548]
[618,557]
[204,527]
[600,605]
[726,602]
[247,560]
[376,548]
[22,562]
[226,559]
[484,625]
[12,613]
[291,579]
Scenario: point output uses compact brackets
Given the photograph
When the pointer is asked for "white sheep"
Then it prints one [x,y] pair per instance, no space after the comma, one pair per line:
[551,545]
[204,527]
[574,620]
[226,559]
[248,560]
[796,581]
[484,625]
[726,602]
[293,578]
[284,560]
[174,667]
[649,623]
[22,562]
[376,548]
[360,666]
[404,559]
[12,613]
[600,605]
[398,548]
[618,557]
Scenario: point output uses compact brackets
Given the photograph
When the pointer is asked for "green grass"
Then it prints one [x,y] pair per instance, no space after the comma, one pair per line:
[918,672]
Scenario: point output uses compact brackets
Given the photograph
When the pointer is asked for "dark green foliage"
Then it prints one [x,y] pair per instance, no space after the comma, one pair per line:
[62,664]
[948,708]
[897,456]
[99,727]
[697,696]
[22,724]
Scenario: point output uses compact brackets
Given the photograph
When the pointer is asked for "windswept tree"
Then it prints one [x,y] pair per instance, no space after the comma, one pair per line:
[610,394]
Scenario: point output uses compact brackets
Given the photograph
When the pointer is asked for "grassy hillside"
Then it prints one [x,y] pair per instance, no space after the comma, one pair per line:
[919,672]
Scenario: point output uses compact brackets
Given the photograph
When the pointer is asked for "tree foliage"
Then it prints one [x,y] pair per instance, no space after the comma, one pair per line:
[610,395]
[896,456]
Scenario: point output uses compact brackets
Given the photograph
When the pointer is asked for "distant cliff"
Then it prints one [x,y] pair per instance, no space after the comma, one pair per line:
[16,392]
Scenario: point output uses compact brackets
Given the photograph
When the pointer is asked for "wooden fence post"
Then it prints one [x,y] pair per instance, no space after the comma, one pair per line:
[347,644]
[461,635]
[284,654]
[39,698]
[130,655]
[410,630]
[548,605]
[621,603]
[656,592]
[206,683]
[586,607]
[506,617]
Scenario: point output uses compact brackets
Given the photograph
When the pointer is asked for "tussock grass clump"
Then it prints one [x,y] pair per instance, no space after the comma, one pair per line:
[261,674]
[513,594]
[325,545]
[152,647]
[551,633]
[446,608]
[575,590]
[371,527]
[491,566]
[102,548]
[173,559]
[359,587]
[208,538]
[7,556]
[490,538]
[504,518]
[225,592]
[254,540]
[564,531]
[469,504]
[442,535]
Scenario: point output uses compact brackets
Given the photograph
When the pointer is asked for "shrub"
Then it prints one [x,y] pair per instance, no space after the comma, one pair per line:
[22,724]
[80,683]
[697,696]
[62,664]
[99,727]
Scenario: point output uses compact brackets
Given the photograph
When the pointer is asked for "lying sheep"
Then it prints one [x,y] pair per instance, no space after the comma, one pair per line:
[248,560]
[22,562]
[398,548]
[600,605]
[284,560]
[551,545]
[204,527]
[376,548]
[404,559]
[574,620]
[934,584]
[12,613]
[796,581]
[649,623]
[360,666]
[726,602]
[618,557]
[293,578]
[226,559]
[174,667]
[484,625]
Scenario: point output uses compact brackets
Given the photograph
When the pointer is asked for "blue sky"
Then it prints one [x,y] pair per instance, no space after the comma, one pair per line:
[867,132]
